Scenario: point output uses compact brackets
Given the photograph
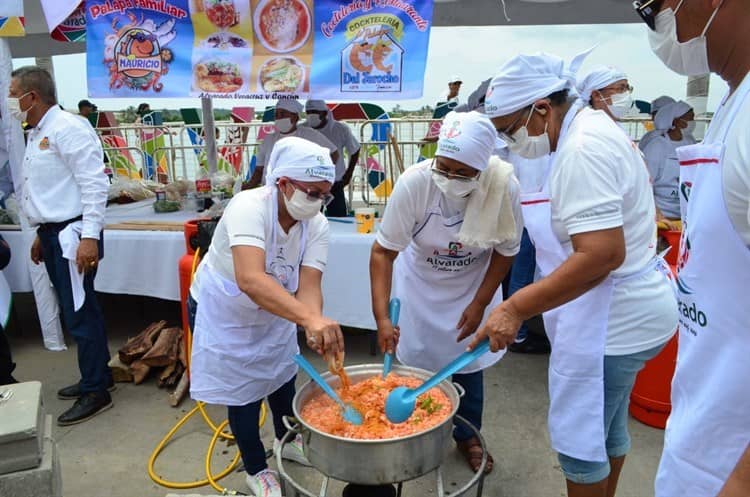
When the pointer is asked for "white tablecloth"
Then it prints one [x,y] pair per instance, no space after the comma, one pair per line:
[146,263]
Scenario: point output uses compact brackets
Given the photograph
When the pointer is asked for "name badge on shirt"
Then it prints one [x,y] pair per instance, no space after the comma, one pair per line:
[44,144]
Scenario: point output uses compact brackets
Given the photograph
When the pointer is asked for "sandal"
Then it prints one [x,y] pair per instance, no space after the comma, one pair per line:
[471,449]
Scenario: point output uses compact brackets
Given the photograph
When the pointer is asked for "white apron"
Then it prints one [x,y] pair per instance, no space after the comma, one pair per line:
[242,353]
[709,426]
[436,278]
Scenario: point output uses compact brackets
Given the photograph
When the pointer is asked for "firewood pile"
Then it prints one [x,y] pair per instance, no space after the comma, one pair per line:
[157,348]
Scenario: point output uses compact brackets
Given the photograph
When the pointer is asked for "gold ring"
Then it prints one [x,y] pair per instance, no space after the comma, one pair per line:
[92,263]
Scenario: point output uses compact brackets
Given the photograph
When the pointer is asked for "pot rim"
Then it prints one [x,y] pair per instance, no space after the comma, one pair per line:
[446,385]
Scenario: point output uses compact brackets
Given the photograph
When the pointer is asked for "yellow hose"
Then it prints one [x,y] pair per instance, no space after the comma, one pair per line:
[218,432]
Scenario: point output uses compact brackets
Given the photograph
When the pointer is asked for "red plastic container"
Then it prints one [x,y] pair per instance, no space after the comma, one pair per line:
[673,239]
[185,267]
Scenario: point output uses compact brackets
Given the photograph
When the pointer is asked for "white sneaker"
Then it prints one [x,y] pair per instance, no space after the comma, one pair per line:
[292,451]
[264,484]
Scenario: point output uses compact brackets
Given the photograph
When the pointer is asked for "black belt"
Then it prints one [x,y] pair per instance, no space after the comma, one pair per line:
[58,226]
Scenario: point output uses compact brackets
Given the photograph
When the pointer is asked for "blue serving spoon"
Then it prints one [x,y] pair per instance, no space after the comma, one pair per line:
[394,309]
[401,401]
[350,414]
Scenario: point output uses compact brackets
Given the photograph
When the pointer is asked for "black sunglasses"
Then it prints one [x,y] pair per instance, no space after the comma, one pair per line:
[648,9]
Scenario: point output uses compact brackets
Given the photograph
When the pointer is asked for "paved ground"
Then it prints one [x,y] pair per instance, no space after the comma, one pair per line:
[107,456]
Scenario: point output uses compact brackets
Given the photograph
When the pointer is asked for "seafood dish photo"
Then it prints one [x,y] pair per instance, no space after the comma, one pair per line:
[282,25]
[218,76]
[282,74]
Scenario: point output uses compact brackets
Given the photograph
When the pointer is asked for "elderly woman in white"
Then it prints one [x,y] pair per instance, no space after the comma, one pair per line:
[447,240]
[259,280]
[606,88]
[607,306]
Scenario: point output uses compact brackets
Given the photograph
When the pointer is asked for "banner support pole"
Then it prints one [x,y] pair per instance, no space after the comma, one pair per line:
[209,134]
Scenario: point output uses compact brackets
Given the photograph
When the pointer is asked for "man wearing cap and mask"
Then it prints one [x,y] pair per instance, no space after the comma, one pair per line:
[607,306]
[260,279]
[656,104]
[451,94]
[320,119]
[447,240]
[671,122]
[606,88]
[707,440]
[286,119]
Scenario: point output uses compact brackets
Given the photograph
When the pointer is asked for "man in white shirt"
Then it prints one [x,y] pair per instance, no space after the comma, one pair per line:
[286,120]
[451,94]
[320,119]
[64,196]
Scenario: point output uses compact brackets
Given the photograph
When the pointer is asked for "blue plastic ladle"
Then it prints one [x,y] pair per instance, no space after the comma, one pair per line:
[350,414]
[394,309]
[401,401]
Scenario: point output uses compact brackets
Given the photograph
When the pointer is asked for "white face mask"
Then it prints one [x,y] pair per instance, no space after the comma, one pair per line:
[622,104]
[530,147]
[14,107]
[284,125]
[314,120]
[453,188]
[300,207]
[689,58]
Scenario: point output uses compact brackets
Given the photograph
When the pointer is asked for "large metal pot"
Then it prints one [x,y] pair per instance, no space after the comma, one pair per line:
[375,462]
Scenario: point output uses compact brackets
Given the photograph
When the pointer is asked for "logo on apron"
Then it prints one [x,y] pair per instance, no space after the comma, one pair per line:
[685,188]
[454,259]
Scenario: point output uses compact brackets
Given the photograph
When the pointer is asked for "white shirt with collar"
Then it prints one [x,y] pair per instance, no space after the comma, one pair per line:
[63,173]
[342,137]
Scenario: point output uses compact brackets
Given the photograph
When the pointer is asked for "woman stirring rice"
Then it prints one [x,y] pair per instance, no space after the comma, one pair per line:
[260,276]
[457,221]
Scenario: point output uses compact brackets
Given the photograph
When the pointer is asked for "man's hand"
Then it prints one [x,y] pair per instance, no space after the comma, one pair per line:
[36,251]
[470,319]
[324,336]
[501,327]
[388,336]
[87,256]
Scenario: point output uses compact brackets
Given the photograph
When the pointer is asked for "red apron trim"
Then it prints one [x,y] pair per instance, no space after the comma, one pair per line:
[531,202]
[693,162]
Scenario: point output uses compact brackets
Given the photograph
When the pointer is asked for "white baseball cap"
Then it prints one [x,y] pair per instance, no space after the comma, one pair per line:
[455,79]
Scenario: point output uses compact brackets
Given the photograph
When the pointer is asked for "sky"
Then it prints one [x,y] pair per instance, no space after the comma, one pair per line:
[472,53]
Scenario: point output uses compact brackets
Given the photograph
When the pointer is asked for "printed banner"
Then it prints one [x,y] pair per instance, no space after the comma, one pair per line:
[257,49]
[11,18]
[73,27]
[371,48]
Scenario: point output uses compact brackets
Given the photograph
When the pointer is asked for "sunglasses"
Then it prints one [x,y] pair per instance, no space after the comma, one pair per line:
[449,175]
[312,194]
[648,9]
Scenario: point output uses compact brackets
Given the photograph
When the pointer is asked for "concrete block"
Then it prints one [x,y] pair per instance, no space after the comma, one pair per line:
[43,481]
[21,431]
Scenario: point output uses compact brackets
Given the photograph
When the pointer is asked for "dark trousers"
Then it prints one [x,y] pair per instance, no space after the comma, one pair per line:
[6,361]
[522,274]
[471,404]
[337,207]
[243,420]
[86,325]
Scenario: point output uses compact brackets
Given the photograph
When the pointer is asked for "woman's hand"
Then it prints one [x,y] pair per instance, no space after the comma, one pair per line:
[501,327]
[470,319]
[388,336]
[324,336]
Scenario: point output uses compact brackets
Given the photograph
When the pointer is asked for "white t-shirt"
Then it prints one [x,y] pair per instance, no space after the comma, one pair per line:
[664,167]
[342,137]
[247,222]
[601,182]
[531,173]
[410,201]
[264,151]
[736,165]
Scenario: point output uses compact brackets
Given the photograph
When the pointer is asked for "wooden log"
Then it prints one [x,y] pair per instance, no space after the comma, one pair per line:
[166,373]
[141,343]
[182,389]
[166,349]
[120,372]
[140,371]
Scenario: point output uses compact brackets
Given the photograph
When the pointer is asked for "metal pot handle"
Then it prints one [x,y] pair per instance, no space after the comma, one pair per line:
[292,424]
[461,390]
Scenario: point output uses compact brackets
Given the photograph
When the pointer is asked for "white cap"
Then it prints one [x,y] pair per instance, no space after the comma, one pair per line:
[290,104]
[455,79]
[667,114]
[660,102]
[300,160]
[468,137]
[598,78]
[319,105]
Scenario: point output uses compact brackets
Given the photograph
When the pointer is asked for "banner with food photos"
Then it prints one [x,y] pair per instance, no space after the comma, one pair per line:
[11,18]
[257,49]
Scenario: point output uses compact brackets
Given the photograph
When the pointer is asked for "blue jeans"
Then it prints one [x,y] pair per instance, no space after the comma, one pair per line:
[243,420]
[522,273]
[86,325]
[619,377]
[471,404]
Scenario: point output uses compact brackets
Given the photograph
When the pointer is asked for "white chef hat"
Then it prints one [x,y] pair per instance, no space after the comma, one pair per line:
[596,79]
[667,114]
[524,79]
[300,160]
[468,137]
[455,79]
[316,105]
[289,104]
[660,102]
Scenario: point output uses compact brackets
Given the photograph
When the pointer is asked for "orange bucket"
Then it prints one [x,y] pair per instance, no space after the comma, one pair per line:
[650,400]
[673,239]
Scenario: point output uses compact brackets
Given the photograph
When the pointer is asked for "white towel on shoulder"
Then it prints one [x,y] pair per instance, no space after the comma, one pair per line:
[489,218]
[70,238]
